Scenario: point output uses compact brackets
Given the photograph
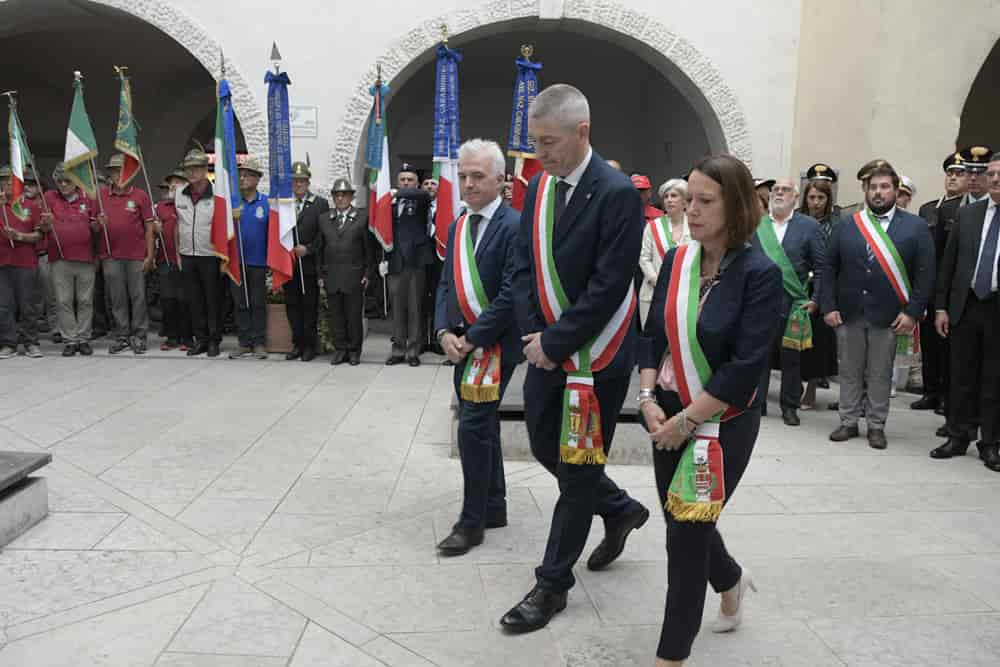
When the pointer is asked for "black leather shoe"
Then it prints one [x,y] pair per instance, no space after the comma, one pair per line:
[942,431]
[69,350]
[823,383]
[85,349]
[393,360]
[991,457]
[294,354]
[213,349]
[308,354]
[533,612]
[118,346]
[926,402]
[615,532]
[876,439]
[496,520]
[460,541]
[790,417]
[198,349]
[413,361]
[354,358]
[941,410]
[954,447]
[844,433]
[338,358]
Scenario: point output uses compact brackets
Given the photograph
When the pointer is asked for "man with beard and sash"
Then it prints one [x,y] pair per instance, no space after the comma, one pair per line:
[940,215]
[474,321]
[968,304]
[794,242]
[574,297]
[877,279]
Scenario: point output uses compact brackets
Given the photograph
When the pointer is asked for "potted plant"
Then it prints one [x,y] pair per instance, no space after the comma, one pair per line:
[278,333]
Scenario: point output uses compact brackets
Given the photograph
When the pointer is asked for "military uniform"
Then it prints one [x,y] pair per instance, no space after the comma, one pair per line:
[975,159]
[302,305]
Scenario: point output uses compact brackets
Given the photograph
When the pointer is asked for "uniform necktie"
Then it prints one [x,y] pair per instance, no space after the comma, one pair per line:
[298,207]
[987,259]
[474,221]
[562,188]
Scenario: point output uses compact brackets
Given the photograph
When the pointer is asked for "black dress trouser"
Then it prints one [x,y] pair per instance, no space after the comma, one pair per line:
[302,310]
[204,296]
[974,403]
[696,554]
[346,313]
[934,359]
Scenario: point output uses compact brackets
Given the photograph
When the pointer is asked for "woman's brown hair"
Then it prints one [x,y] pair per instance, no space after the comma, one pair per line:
[821,186]
[741,205]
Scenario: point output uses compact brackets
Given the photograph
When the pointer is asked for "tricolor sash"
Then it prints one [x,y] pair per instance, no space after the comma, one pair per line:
[581,441]
[697,490]
[662,235]
[888,258]
[481,376]
[798,330]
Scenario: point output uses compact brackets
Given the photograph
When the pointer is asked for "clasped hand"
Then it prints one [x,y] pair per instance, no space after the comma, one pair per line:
[456,347]
[534,353]
[665,433]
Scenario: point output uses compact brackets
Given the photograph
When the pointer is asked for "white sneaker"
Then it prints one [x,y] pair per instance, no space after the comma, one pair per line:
[726,623]
[33,351]
[7,352]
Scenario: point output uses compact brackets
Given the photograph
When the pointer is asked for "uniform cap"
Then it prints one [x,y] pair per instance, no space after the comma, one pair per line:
[821,172]
[301,170]
[641,182]
[252,165]
[953,161]
[906,185]
[195,158]
[976,157]
[59,173]
[867,168]
[407,167]
[117,161]
[766,182]
[342,185]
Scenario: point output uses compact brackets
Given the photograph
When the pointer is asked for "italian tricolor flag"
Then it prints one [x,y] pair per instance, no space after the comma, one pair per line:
[19,157]
[224,241]
[446,173]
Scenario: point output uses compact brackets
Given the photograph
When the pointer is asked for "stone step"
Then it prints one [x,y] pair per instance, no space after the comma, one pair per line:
[24,500]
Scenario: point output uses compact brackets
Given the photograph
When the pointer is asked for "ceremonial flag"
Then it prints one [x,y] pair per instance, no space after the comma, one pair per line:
[519,147]
[126,137]
[19,158]
[227,191]
[379,186]
[81,145]
[446,142]
[281,225]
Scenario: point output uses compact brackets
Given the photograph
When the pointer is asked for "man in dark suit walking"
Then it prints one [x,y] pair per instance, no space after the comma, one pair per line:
[347,257]
[794,242]
[411,256]
[474,324]
[969,314]
[302,305]
[877,279]
[581,232]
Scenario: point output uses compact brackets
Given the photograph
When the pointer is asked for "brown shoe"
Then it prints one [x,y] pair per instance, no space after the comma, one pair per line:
[844,433]
[876,439]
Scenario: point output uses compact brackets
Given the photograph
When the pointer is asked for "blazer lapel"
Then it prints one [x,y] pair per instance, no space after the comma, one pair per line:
[491,229]
[581,197]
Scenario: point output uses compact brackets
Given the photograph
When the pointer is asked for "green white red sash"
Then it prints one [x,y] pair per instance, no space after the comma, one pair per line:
[798,330]
[697,491]
[662,236]
[481,376]
[581,441]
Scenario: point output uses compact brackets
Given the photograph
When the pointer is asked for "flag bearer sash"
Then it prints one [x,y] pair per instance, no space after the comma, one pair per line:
[888,258]
[798,330]
[481,375]
[580,441]
[697,490]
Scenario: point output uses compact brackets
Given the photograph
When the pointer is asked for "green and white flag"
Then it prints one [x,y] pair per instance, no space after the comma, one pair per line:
[81,144]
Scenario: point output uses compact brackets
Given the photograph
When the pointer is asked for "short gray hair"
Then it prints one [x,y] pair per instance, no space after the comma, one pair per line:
[561,102]
[678,185]
[485,146]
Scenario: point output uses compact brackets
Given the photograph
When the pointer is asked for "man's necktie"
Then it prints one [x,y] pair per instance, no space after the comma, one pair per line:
[987,260]
[298,207]
[871,253]
[474,220]
[562,188]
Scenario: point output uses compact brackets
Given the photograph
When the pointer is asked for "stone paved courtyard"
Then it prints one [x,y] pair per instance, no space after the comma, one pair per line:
[213,513]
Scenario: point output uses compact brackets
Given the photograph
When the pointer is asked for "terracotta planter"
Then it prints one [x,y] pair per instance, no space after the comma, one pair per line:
[279,331]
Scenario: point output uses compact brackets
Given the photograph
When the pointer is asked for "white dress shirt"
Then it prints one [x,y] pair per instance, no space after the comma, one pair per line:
[885,219]
[781,226]
[487,212]
[573,178]
[990,219]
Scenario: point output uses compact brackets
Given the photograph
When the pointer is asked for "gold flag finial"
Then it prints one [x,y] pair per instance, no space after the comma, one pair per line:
[444,34]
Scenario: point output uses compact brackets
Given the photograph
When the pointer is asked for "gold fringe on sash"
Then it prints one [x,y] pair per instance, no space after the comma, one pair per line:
[483,393]
[684,511]
[578,456]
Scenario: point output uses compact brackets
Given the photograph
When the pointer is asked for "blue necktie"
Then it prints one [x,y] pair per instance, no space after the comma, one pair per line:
[871,253]
[983,286]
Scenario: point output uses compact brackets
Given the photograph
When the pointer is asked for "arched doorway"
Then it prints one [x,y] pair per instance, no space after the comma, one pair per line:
[173,91]
[653,75]
[978,125]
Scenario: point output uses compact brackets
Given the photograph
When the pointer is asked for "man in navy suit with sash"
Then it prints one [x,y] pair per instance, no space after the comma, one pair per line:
[581,232]
[794,242]
[877,280]
[474,322]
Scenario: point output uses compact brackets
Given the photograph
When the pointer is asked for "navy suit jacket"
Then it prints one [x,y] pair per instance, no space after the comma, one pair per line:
[803,243]
[860,290]
[596,248]
[736,326]
[412,247]
[495,260]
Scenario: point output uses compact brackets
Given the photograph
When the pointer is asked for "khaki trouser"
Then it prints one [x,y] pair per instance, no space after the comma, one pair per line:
[73,283]
[45,297]
[125,283]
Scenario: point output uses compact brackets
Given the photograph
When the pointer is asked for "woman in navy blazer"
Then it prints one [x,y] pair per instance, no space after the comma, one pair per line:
[741,302]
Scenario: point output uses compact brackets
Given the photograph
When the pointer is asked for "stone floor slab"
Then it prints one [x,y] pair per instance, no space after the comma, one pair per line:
[319,648]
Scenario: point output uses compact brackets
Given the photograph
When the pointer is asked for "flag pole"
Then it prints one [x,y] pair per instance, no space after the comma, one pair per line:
[276,59]
[236,223]
[6,222]
[121,71]
[100,203]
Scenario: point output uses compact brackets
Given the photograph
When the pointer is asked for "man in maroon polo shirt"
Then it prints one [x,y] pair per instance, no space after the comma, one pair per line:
[128,218]
[72,271]
[176,317]
[18,266]
[45,295]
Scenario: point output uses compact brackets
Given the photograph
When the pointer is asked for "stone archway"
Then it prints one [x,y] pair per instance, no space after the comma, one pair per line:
[184,30]
[677,59]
